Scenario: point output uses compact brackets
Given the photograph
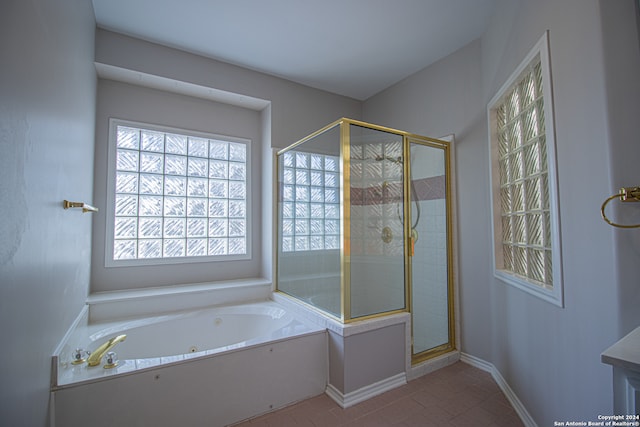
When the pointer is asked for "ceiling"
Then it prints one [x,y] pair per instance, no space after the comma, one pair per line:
[354,48]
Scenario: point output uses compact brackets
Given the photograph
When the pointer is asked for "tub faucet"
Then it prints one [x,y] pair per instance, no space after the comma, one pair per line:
[95,357]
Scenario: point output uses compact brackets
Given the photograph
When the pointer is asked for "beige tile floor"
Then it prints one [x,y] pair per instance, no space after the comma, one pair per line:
[456,396]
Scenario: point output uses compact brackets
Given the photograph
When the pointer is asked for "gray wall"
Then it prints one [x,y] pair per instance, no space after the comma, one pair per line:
[549,356]
[296,110]
[621,26]
[47,115]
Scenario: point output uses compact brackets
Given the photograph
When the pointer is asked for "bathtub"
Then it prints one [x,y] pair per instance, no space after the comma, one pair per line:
[213,366]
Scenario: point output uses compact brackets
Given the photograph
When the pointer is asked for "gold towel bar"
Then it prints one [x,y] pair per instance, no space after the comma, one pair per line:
[85,207]
[626,194]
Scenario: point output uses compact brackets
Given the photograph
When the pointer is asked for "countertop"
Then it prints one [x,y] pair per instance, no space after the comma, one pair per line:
[625,353]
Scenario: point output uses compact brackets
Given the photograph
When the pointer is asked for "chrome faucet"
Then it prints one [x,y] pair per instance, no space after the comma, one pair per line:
[95,357]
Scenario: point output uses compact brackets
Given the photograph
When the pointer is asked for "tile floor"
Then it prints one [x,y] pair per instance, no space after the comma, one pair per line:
[456,396]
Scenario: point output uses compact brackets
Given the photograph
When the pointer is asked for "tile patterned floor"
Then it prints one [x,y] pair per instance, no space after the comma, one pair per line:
[456,396]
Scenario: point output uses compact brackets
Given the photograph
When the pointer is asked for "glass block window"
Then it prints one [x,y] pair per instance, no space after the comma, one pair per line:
[526,239]
[524,192]
[310,200]
[177,195]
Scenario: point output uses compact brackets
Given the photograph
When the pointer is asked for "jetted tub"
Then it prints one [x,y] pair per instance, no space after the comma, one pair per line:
[210,367]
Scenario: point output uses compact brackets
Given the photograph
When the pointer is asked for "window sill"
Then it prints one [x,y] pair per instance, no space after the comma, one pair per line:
[553,296]
[105,306]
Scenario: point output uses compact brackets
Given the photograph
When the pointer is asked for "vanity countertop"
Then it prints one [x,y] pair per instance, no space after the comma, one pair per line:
[625,353]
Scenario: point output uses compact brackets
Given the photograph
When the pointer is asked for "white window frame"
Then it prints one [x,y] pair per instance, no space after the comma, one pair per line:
[111,190]
[553,294]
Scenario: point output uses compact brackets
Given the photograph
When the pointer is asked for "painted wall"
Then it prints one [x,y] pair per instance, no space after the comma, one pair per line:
[47,115]
[549,356]
[296,110]
[621,27]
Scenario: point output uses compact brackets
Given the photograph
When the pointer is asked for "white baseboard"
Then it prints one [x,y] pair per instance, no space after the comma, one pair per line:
[520,409]
[366,392]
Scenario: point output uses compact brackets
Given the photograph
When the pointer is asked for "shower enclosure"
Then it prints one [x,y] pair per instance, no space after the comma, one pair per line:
[364,228]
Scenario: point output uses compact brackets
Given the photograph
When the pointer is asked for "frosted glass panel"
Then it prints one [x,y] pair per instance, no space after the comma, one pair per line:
[198,147]
[127,160]
[309,222]
[125,249]
[126,182]
[126,205]
[150,249]
[128,137]
[126,228]
[150,206]
[152,141]
[151,162]
[376,217]
[175,227]
[198,167]
[150,227]
[176,144]
[196,247]
[197,187]
[151,184]
[237,152]
[174,248]
[176,165]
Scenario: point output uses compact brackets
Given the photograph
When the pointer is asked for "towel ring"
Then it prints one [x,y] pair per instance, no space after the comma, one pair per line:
[627,194]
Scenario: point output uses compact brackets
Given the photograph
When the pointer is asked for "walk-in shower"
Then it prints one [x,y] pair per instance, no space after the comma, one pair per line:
[357,239]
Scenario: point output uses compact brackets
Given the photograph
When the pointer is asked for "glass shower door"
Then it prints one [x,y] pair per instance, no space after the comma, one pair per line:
[430,250]
[376,235]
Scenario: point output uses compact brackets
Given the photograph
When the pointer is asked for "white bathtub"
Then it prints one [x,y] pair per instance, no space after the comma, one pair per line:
[204,367]
[201,331]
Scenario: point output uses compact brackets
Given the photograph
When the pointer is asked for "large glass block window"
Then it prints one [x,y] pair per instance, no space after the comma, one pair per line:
[526,238]
[177,195]
[310,197]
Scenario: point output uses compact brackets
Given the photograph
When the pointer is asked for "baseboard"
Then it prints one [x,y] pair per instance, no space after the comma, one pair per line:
[367,392]
[520,409]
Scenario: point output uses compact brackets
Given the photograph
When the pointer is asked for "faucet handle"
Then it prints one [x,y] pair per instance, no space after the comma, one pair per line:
[112,360]
[79,356]
[96,358]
